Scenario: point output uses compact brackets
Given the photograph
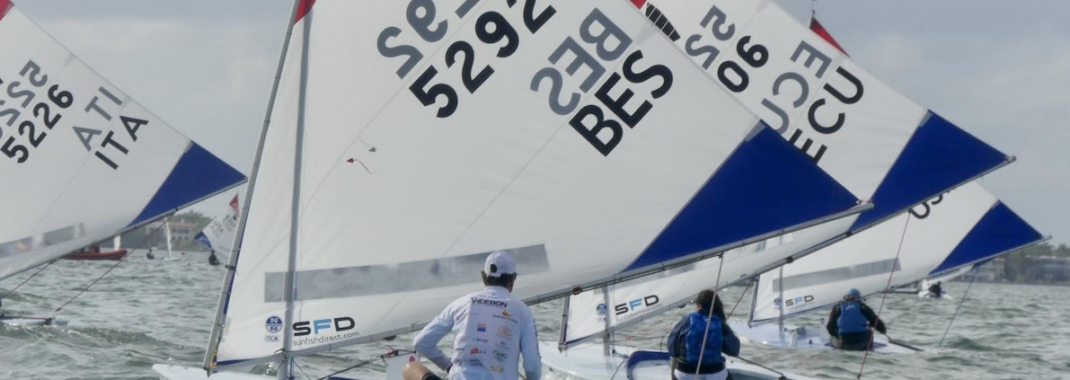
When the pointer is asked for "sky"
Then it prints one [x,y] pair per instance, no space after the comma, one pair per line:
[999,69]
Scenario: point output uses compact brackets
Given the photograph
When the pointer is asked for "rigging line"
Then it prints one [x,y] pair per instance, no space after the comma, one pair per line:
[706,335]
[782,375]
[298,366]
[9,292]
[885,296]
[105,274]
[749,284]
[385,356]
[957,308]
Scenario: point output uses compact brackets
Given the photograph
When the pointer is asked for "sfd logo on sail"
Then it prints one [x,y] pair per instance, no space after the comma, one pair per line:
[647,301]
[303,328]
[796,301]
[316,326]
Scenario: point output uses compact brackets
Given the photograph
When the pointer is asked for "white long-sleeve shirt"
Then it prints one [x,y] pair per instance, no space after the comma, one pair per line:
[491,331]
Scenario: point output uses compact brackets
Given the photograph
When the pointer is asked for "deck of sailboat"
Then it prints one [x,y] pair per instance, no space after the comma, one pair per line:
[796,337]
[588,362]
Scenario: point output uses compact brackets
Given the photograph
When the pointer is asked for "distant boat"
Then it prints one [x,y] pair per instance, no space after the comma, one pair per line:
[943,236]
[218,236]
[93,253]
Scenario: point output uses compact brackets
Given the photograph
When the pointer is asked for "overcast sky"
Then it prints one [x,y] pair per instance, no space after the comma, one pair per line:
[999,69]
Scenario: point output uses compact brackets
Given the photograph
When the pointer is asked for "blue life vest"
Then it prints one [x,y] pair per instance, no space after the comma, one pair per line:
[851,319]
[711,353]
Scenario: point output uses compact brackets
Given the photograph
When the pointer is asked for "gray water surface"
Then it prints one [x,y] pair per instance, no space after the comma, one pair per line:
[152,311]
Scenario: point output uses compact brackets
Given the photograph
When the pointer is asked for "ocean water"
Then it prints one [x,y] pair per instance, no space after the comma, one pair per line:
[154,311]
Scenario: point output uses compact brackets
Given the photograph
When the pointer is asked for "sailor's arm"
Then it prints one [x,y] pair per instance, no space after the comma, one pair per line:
[874,321]
[426,342]
[529,348]
[730,345]
[832,325]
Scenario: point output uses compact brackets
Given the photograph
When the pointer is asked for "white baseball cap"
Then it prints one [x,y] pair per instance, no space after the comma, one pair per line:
[499,263]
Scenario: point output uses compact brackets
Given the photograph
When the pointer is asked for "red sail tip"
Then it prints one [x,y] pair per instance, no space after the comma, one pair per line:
[639,3]
[816,27]
[302,9]
[5,5]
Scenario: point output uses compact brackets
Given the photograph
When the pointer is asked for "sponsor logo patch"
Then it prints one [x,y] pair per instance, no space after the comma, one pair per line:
[501,356]
[482,327]
[273,325]
[486,302]
[505,332]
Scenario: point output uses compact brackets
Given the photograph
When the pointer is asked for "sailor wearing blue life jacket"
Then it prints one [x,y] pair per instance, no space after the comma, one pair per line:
[699,339]
[851,321]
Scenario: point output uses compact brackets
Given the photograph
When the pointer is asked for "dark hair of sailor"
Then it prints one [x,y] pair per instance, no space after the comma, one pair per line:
[707,297]
[502,280]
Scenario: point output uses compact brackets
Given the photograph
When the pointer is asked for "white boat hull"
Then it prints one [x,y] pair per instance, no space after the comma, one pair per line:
[807,338]
[394,366]
[588,362]
[33,321]
[177,372]
[927,294]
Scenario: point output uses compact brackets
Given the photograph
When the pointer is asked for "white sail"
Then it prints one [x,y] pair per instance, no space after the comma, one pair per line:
[962,227]
[886,148]
[855,126]
[219,234]
[424,135]
[80,160]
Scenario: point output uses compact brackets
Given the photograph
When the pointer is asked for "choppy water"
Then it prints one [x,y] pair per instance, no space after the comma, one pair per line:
[150,311]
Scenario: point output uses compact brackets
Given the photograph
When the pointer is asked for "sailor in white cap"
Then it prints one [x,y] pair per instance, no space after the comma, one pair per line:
[491,332]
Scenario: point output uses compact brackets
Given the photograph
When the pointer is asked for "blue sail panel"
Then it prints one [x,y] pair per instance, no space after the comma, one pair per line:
[938,156]
[197,175]
[999,231]
[766,185]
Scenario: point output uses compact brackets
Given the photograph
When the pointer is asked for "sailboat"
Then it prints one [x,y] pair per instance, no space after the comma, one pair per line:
[93,253]
[169,241]
[218,235]
[895,185]
[569,134]
[81,160]
[957,230]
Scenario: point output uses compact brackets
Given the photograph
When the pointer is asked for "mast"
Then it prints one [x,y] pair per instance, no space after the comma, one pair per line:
[228,278]
[780,288]
[810,21]
[607,339]
[564,323]
[167,235]
[286,368]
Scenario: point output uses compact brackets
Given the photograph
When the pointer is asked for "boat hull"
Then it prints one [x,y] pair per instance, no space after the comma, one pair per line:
[589,362]
[928,294]
[177,372]
[32,321]
[797,337]
[96,256]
